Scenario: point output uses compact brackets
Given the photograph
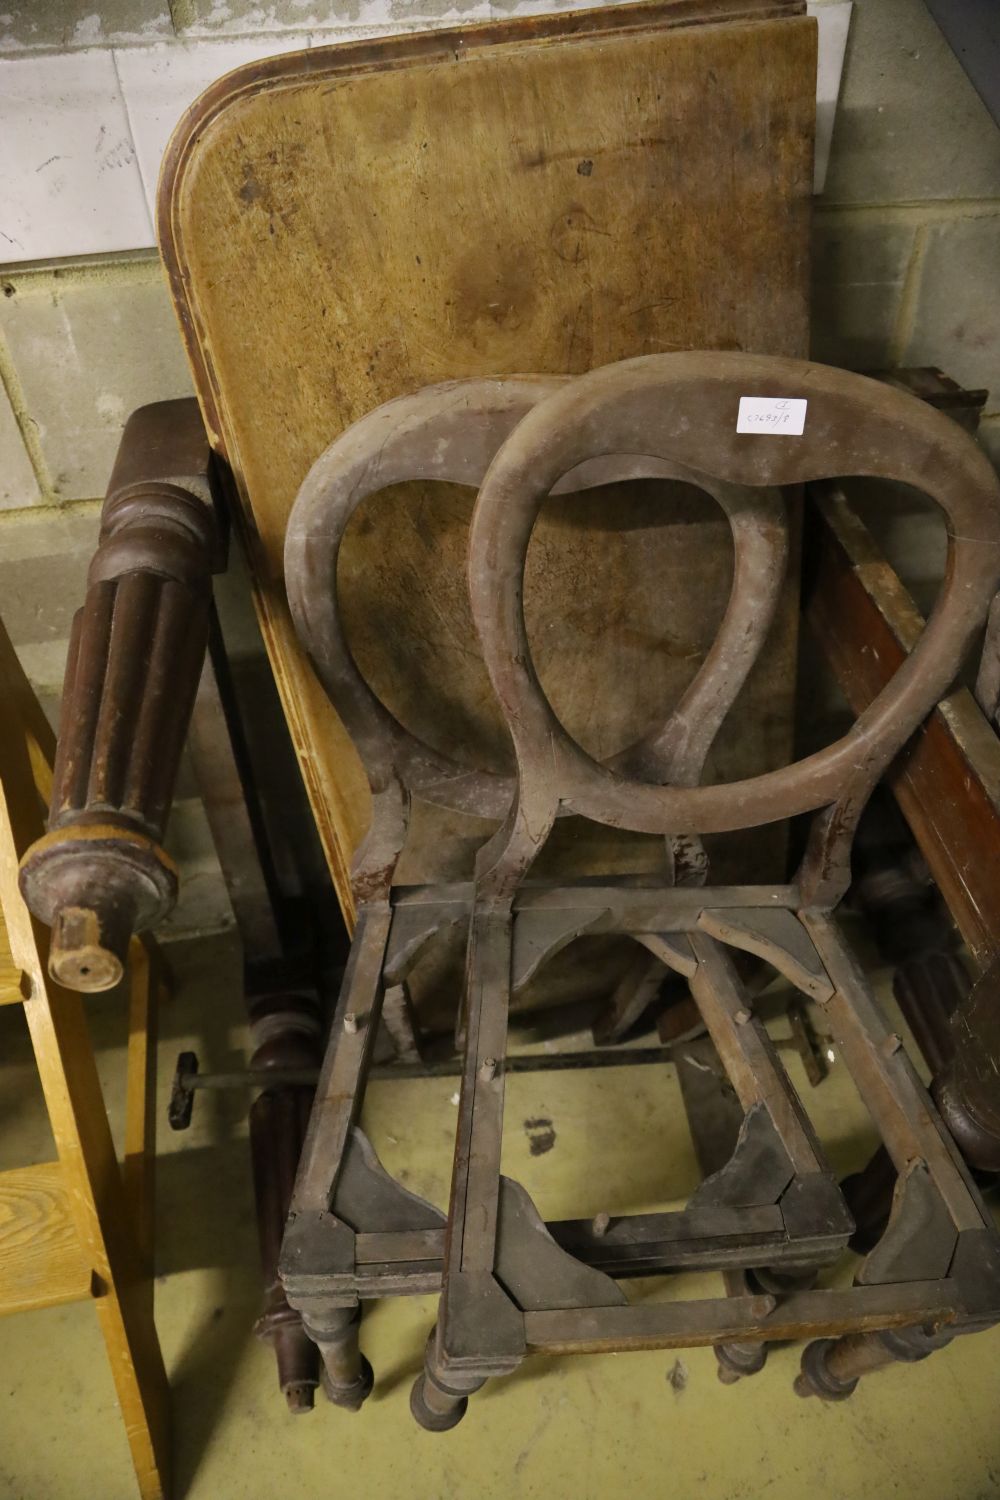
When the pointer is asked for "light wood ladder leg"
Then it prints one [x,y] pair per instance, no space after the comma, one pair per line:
[147,992]
[122,1284]
[114,1241]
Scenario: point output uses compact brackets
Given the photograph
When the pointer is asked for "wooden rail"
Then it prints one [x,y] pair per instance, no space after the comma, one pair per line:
[947,780]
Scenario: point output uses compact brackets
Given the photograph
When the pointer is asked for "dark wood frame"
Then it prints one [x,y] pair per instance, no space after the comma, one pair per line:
[511,1284]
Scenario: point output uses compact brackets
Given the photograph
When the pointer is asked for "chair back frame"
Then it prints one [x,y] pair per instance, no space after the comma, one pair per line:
[682,408]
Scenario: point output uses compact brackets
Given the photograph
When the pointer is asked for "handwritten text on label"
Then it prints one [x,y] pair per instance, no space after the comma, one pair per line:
[782,415]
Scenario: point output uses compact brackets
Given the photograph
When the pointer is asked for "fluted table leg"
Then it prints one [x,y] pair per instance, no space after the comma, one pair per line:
[100,873]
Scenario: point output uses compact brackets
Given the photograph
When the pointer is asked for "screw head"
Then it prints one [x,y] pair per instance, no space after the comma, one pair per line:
[350,1023]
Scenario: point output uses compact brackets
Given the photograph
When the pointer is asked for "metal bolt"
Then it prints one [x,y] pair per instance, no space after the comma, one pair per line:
[891,1044]
[742,1017]
[350,1023]
[600,1225]
[488,1069]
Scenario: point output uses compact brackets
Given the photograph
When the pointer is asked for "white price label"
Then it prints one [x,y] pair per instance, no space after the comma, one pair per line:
[785,416]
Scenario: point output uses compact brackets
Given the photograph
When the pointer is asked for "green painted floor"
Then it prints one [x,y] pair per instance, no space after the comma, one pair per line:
[582,1428]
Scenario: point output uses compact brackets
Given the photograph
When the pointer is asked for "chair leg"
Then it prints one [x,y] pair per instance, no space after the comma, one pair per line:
[831,1368]
[736,1360]
[347,1376]
[439,1400]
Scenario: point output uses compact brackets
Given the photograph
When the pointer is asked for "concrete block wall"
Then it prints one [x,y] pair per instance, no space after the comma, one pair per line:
[906,254]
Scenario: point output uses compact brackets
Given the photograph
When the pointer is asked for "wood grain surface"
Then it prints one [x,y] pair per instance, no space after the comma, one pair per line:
[41,1259]
[65,1228]
[947,780]
[545,195]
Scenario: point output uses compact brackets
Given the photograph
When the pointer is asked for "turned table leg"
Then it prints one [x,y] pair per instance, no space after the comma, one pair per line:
[100,873]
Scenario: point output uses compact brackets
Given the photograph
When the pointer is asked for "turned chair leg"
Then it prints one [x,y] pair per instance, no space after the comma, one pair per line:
[831,1368]
[347,1377]
[737,1360]
[440,1400]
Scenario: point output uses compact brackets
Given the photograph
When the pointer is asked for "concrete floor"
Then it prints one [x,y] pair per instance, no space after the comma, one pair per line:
[579,1428]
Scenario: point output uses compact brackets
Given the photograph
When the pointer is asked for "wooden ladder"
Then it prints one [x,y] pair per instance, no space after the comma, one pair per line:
[79,1227]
